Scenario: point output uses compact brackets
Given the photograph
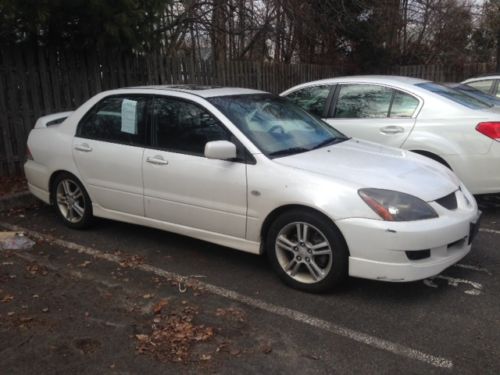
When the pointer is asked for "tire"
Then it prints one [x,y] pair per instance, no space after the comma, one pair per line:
[71,201]
[315,265]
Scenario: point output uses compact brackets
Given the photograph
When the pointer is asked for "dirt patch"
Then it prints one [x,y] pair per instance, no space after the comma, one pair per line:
[11,185]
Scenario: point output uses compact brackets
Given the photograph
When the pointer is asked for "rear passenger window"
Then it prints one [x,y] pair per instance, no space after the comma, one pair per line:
[483,85]
[363,101]
[403,105]
[116,119]
[312,99]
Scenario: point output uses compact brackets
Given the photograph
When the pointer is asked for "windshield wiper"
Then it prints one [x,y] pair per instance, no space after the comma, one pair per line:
[289,151]
[329,142]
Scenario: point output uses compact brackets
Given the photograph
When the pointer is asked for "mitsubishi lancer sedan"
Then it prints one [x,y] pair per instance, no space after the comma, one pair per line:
[444,124]
[252,171]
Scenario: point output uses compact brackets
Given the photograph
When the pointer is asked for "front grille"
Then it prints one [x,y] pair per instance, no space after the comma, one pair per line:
[449,202]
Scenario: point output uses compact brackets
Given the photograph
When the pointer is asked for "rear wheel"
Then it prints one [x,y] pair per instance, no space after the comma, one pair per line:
[71,201]
[307,251]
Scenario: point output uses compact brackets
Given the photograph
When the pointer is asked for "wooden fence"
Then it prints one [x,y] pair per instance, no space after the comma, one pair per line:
[34,83]
[443,73]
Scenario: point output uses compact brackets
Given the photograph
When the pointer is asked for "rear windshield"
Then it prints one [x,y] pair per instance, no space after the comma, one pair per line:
[454,95]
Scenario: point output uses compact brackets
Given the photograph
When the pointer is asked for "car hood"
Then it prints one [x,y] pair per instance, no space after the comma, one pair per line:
[367,164]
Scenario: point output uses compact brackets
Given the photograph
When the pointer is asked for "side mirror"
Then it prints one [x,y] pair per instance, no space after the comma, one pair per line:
[222,150]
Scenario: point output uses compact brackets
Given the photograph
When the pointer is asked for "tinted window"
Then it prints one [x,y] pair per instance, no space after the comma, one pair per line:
[116,119]
[275,125]
[454,95]
[186,127]
[482,85]
[497,94]
[312,99]
[363,101]
[403,105]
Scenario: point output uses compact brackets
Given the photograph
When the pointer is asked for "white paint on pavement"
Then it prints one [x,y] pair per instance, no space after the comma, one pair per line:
[373,341]
[488,230]
[471,267]
[452,281]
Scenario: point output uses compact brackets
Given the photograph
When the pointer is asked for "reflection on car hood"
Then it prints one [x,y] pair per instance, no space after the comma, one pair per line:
[372,165]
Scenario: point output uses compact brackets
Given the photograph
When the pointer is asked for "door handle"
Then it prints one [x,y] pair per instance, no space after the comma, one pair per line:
[83,147]
[158,160]
[392,129]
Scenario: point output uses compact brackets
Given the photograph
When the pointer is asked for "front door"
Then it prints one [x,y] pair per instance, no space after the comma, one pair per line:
[182,186]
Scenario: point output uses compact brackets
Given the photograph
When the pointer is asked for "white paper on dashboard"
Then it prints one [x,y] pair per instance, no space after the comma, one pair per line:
[129,116]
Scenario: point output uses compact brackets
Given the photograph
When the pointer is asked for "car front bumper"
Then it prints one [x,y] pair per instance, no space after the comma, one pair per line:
[378,249]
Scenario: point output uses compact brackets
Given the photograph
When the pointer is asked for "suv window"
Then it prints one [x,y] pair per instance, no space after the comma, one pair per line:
[363,101]
[483,85]
[185,127]
[117,119]
[454,95]
[403,105]
[312,99]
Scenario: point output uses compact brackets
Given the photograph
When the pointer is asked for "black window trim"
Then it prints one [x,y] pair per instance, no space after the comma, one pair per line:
[495,87]
[248,157]
[147,137]
[335,98]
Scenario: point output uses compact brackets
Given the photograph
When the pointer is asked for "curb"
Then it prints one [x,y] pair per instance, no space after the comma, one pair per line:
[23,199]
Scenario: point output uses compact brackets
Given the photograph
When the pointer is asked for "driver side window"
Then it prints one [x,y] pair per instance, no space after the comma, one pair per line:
[185,127]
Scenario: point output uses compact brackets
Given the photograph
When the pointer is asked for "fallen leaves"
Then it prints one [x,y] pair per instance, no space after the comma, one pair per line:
[7,298]
[159,306]
[131,261]
[34,269]
[173,335]
[231,313]
[11,185]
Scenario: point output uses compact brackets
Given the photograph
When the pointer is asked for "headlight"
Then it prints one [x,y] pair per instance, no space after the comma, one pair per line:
[395,206]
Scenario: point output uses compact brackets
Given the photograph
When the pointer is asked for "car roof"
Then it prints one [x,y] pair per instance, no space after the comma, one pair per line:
[381,79]
[482,77]
[204,91]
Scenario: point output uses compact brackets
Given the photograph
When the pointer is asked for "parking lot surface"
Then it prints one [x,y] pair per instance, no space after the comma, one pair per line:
[105,294]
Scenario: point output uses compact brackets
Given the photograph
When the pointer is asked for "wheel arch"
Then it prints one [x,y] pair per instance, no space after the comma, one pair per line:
[53,178]
[274,214]
[433,156]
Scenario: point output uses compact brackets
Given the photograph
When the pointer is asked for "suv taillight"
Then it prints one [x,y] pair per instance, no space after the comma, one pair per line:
[489,129]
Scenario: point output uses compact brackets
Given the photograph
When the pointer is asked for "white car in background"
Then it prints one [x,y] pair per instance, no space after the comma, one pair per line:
[489,84]
[251,171]
[444,124]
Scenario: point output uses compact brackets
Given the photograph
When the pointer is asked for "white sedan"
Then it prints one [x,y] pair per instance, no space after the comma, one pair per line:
[250,170]
[444,124]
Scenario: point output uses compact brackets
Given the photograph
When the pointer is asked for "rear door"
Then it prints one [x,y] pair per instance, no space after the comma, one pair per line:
[108,149]
[373,112]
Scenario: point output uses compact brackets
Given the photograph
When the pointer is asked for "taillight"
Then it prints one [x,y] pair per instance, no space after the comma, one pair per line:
[489,129]
[28,154]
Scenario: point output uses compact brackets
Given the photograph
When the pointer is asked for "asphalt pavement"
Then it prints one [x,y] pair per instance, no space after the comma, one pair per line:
[448,324]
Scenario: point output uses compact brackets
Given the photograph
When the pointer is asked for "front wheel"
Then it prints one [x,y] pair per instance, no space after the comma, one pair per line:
[307,251]
[72,202]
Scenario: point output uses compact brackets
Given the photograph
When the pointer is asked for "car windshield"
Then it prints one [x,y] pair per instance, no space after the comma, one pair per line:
[275,125]
[455,95]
